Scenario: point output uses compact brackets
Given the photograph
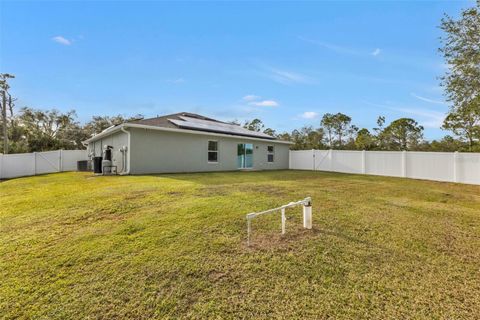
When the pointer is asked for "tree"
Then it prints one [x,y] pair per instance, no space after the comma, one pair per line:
[464,122]
[50,130]
[337,125]
[313,137]
[42,130]
[307,138]
[447,144]
[285,136]
[327,124]
[379,136]
[254,125]
[364,140]
[258,126]
[100,123]
[16,132]
[270,132]
[403,134]
[352,132]
[341,125]
[461,51]
[6,99]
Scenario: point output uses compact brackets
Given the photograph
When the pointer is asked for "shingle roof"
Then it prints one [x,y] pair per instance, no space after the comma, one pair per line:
[192,121]
[163,120]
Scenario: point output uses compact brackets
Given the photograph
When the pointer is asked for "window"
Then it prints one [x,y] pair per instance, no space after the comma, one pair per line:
[212,151]
[270,153]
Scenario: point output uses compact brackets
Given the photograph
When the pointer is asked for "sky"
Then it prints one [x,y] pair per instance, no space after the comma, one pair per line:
[286,63]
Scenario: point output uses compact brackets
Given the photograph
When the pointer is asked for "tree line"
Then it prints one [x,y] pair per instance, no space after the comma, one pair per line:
[30,129]
[336,131]
[33,130]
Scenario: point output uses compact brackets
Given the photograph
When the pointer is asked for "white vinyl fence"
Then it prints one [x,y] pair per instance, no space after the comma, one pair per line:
[438,166]
[30,164]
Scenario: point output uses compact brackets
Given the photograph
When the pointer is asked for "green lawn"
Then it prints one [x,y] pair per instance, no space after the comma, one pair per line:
[75,246]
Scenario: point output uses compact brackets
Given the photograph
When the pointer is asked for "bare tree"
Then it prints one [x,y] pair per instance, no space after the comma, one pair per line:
[4,92]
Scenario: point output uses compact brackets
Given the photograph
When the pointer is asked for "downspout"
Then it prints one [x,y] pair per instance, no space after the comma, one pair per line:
[127,155]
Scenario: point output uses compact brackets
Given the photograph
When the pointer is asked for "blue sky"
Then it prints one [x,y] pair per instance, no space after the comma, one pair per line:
[286,63]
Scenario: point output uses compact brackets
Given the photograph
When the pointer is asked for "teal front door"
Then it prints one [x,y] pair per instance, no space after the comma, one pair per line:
[245,155]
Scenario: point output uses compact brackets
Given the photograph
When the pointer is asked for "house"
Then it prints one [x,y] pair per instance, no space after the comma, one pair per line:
[187,142]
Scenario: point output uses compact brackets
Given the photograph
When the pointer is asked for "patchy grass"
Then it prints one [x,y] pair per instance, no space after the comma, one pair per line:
[173,246]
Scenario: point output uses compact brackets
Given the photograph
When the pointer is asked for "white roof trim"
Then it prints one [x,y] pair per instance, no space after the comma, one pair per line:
[142,126]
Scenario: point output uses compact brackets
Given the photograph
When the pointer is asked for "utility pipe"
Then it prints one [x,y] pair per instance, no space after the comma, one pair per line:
[307,215]
[126,151]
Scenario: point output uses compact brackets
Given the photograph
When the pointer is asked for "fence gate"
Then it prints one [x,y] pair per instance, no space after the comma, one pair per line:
[30,164]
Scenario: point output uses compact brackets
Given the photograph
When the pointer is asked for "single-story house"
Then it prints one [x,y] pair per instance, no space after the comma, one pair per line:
[187,142]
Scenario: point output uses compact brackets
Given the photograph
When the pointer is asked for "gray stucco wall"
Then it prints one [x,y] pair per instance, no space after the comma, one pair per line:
[154,151]
[116,140]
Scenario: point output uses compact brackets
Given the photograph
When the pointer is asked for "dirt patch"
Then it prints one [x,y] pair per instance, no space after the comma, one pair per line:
[263,189]
[213,191]
[174,193]
[136,195]
[446,197]
[276,241]
[224,190]
[216,275]
[114,211]
[105,214]
[398,202]
[131,229]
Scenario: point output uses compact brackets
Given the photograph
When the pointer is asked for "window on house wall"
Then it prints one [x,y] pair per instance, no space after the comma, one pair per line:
[270,153]
[212,151]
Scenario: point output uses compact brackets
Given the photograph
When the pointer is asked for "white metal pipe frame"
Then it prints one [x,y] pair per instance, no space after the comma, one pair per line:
[307,215]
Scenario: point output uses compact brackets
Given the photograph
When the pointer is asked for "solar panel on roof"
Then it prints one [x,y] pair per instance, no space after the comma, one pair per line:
[205,125]
[230,126]
[234,128]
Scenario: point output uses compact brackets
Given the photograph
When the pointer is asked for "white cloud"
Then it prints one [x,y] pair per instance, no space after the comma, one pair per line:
[428,99]
[431,119]
[282,76]
[287,77]
[332,47]
[309,115]
[341,49]
[426,117]
[62,40]
[177,81]
[264,103]
[251,97]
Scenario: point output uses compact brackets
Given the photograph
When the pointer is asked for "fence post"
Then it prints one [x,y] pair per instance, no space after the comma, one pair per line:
[404,163]
[330,156]
[34,163]
[289,159]
[60,160]
[455,166]
[364,159]
[313,157]
[1,166]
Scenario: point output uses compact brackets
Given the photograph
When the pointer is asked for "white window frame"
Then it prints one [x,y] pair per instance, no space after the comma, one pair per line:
[271,153]
[208,150]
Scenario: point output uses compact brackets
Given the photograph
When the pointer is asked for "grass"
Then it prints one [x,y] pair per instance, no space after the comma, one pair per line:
[173,246]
